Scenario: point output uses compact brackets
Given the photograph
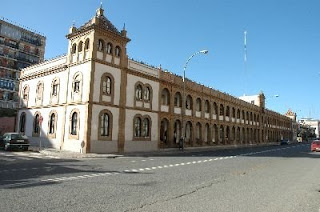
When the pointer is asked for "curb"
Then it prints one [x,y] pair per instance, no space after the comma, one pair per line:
[68,154]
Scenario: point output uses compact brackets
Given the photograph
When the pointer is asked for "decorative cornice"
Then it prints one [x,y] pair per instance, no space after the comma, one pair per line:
[44,72]
[45,62]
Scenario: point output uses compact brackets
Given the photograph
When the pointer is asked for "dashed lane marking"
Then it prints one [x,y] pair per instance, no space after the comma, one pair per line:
[126,171]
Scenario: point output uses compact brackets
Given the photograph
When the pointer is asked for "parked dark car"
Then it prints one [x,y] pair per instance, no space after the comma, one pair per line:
[284,142]
[14,141]
[315,145]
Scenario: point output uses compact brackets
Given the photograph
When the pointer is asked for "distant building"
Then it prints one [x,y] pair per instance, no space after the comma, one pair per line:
[313,123]
[96,99]
[295,125]
[19,48]
[258,100]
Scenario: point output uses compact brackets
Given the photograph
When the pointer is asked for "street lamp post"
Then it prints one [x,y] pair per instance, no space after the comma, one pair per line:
[184,94]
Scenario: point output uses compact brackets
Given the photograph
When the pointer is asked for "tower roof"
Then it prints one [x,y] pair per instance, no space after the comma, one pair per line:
[99,21]
[102,22]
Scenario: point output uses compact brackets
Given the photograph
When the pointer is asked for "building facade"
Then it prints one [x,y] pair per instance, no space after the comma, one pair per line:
[19,48]
[96,99]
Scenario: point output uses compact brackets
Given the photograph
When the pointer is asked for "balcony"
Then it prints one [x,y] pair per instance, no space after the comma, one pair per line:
[165,108]
[177,110]
[198,114]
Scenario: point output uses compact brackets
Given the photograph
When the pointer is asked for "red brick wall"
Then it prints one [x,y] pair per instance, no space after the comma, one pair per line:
[6,124]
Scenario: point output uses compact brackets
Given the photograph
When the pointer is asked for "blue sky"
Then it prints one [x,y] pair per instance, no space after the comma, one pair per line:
[283,41]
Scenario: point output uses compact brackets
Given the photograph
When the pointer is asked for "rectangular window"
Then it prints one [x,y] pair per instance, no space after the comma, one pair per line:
[54,90]
[76,86]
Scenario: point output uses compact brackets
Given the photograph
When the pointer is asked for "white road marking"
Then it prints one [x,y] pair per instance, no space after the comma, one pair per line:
[126,171]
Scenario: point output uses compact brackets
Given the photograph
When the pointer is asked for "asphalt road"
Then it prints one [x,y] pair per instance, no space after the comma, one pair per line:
[270,178]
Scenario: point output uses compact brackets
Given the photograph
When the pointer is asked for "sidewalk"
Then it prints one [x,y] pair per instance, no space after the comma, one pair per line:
[69,154]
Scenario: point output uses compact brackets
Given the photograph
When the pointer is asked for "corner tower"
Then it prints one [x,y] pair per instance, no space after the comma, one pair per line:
[98,39]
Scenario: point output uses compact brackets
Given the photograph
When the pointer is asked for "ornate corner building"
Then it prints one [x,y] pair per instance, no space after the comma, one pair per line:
[96,99]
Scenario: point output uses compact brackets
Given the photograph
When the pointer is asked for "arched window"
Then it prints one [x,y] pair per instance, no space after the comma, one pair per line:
[238,134]
[207,133]
[238,114]
[142,127]
[177,131]
[165,97]
[39,90]
[198,132]
[55,86]
[80,46]
[177,100]
[104,124]
[233,112]
[228,111]
[52,123]
[198,104]
[207,106]
[215,108]
[137,127]
[221,110]
[77,83]
[139,92]
[188,132]
[36,124]
[189,102]
[164,127]
[109,48]
[147,93]
[106,87]
[117,51]
[22,122]
[215,137]
[87,44]
[146,128]
[221,133]
[100,45]
[74,123]
[74,48]
[25,93]
[233,134]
